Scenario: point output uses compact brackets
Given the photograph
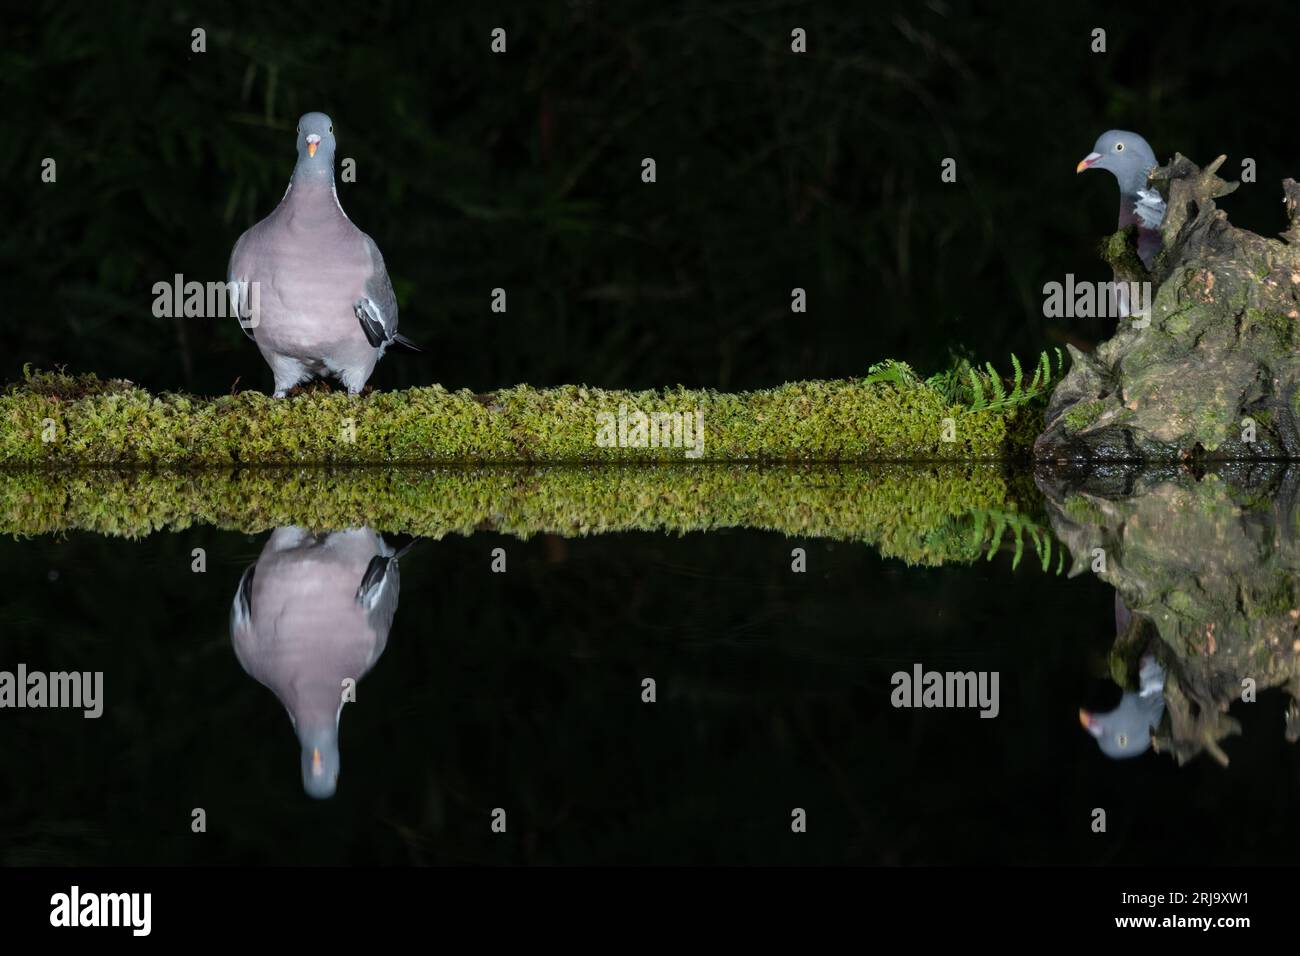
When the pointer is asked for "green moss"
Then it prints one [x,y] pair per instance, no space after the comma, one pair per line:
[923,515]
[1178,323]
[1120,250]
[58,419]
[1278,598]
[1279,328]
[1083,510]
[1181,602]
[1084,414]
[1119,668]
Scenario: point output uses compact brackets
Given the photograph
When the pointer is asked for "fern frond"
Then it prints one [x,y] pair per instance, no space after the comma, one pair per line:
[995,537]
[899,373]
[995,380]
[1038,378]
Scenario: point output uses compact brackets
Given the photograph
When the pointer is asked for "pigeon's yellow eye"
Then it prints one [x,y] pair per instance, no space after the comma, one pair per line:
[1119,147]
[331,129]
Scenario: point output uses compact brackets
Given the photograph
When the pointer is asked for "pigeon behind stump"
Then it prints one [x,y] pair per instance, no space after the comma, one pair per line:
[1130,158]
[310,288]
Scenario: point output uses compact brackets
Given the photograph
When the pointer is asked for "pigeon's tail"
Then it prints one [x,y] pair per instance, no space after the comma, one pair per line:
[404,342]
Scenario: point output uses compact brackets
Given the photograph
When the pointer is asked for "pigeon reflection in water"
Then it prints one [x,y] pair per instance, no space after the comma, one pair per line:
[1126,730]
[313,611]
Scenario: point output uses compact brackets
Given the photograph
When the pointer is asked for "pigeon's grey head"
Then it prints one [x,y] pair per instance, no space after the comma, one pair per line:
[320,762]
[315,145]
[1124,731]
[1125,154]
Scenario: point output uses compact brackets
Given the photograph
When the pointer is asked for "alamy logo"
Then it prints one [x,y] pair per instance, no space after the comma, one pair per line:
[922,688]
[75,908]
[179,299]
[636,429]
[76,689]
[1096,300]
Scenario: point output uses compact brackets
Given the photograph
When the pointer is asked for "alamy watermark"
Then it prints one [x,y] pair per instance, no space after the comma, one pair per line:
[1098,300]
[637,429]
[922,688]
[82,690]
[130,910]
[208,300]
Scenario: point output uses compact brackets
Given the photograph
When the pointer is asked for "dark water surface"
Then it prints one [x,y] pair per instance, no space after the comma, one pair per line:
[523,691]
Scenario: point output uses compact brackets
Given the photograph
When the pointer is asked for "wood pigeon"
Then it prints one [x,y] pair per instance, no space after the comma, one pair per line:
[313,611]
[1126,730]
[1130,158]
[309,287]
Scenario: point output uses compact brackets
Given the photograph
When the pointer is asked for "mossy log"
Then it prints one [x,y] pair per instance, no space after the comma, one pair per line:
[930,515]
[59,419]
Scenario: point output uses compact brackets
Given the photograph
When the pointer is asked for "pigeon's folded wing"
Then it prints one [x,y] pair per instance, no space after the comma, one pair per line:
[237,287]
[380,586]
[1150,208]
[377,311]
[241,609]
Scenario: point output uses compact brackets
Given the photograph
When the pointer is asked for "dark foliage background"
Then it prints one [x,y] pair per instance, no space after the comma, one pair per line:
[522,171]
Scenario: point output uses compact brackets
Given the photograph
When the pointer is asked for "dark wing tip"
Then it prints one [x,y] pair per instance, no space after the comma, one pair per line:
[374,330]
[375,572]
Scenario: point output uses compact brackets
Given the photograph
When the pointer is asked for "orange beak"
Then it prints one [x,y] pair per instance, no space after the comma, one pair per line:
[315,754]
[1087,161]
[311,149]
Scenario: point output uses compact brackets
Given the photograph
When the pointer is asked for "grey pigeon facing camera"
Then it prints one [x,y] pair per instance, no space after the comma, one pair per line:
[313,611]
[1130,159]
[310,288]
